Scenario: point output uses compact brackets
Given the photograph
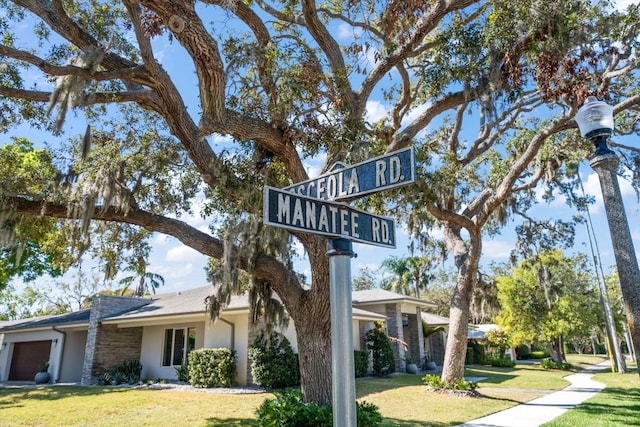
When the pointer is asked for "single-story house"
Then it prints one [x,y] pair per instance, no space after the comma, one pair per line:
[160,330]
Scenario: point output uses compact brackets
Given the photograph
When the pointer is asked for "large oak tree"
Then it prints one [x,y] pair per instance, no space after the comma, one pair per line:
[281,82]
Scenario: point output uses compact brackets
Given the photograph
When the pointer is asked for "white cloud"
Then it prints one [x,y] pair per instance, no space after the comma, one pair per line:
[496,249]
[182,254]
[347,32]
[623,4]
[375,111]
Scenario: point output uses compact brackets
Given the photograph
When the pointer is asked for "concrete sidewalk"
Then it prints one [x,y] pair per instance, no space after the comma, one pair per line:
[546,408]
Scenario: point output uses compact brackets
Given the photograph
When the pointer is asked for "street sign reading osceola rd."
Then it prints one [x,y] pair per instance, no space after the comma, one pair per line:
[373,175]
[287,210]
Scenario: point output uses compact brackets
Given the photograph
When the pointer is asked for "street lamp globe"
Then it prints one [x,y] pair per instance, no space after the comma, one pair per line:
[595,121]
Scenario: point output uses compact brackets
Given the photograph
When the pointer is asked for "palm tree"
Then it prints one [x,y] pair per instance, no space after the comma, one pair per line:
[401,275]
[147,281]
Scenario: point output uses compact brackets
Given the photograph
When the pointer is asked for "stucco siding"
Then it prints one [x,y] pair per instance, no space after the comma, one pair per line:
[73,356]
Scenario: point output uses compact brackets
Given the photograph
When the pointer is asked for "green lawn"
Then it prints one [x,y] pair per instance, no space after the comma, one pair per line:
[618,405]
[402,400]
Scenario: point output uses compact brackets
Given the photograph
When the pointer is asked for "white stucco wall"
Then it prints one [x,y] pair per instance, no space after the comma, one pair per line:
[73,356]
[219,334]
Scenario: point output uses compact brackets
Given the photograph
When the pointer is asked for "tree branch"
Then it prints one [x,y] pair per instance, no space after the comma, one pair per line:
[265,267]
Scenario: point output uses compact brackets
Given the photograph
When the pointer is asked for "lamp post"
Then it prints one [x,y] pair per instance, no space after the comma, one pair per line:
[595,120]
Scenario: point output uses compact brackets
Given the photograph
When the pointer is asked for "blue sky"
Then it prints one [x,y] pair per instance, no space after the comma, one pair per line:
[183,267]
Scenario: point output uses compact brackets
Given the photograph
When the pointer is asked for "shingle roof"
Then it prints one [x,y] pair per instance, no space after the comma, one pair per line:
[67,319]
[434,319]
[191,301]
[376,296]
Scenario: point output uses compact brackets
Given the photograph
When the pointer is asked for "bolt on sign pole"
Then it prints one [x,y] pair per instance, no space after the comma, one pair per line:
[343,383]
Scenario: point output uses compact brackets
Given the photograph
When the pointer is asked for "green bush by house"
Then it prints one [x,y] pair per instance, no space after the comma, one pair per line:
[273,362]
[212,367]
[361,363]
[378,343]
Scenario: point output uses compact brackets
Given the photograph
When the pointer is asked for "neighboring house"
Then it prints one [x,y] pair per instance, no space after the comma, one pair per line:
[436,342]
[403,315]
[159,331]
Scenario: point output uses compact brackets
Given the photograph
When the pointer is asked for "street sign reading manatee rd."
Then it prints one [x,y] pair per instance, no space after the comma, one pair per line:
[287,210]
[373,175]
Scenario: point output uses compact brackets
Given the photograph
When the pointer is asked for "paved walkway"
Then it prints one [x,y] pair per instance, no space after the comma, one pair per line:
[546,408]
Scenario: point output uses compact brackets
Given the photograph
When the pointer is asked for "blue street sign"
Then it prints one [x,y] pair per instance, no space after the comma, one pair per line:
[350,182]
[287,210]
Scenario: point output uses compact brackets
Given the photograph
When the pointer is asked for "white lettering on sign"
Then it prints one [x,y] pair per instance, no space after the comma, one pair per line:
[285,209]
[298,218]
[330,219]
[330,187]
[393,173]
[311,215]
[394,169]
[354,225]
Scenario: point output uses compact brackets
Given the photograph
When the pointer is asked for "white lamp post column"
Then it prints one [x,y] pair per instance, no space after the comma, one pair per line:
[595,120]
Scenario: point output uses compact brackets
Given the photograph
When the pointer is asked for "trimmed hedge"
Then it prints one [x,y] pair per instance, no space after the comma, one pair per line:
[361,363]
[501,362]
[212,367]
[273,362]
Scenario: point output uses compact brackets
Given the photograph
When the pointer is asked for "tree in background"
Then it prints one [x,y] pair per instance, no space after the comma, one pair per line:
[364,280]
[147,281]
[548,299]
[50,298]
[509,134]
[263,89]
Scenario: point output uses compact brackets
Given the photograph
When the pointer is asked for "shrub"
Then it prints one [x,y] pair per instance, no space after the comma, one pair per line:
[523,352]
[382,354]
[539,354]
[501,362]
[127,372]
[119,378]
[550,364]
[469,358]
[182,371]
[479,353]
[104,379]
[273,362]
[289,409]
[361,363]
[434,383]
[212,367]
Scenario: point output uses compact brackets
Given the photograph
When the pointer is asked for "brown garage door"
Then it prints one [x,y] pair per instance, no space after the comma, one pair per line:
[27,357]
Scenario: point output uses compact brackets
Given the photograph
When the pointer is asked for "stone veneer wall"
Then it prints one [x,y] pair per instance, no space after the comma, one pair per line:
[114,346]
[97,354]
[394,329]
[416,338]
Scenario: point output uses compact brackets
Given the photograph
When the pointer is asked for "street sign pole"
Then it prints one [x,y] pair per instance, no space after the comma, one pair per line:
[340,252]
[313,207]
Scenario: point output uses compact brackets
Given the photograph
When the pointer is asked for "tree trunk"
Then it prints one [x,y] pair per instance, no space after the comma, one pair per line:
[311,315]
[467,259]
[556,351]
[314,353]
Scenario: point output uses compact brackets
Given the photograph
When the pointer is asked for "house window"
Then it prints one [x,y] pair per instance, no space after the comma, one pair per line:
[177,345]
